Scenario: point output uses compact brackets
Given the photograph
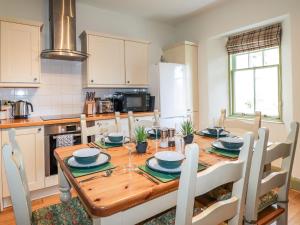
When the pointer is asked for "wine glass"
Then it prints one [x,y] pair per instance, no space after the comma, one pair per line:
[129,144]
[156,127]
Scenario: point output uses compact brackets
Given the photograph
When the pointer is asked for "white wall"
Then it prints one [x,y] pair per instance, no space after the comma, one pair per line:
[61,90]
[210,30]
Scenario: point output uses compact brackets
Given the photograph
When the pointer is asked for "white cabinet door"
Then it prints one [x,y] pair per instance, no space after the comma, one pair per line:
[136,63]
[31,142]
[105,61]
[20,53]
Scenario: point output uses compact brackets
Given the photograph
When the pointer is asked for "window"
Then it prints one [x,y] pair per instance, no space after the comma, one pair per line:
[255,83]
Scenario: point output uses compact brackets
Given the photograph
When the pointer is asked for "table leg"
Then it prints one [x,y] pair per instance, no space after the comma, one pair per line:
[64,186]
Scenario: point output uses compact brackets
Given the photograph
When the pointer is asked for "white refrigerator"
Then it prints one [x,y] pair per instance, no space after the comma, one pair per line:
[168,82]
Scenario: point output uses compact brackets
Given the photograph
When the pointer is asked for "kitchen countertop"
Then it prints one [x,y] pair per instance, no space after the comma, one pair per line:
[37,121]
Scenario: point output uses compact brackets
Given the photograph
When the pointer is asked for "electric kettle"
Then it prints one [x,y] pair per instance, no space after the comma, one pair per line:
[20,109]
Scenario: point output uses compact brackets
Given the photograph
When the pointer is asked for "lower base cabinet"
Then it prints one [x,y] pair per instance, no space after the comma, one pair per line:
[31,142]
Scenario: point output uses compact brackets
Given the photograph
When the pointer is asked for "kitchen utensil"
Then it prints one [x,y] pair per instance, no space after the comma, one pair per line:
[107,173]
[20,109]
[146,176]
[171,134]
[86,155]
[169,159]
[164,138]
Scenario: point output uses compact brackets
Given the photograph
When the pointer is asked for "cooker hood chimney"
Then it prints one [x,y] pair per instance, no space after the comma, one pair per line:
[62,19]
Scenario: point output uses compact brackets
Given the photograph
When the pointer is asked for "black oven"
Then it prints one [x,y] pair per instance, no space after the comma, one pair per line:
[52,132]
[133,101]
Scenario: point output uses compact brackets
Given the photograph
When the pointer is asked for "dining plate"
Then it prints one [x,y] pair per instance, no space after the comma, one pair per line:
[224,133]
[153,164]
[102,159]
[218,145]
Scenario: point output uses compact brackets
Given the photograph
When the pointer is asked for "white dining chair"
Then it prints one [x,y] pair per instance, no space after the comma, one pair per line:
[239,126]
[99,130]
[193,184]
[261,185]
[19,192]
[136,122]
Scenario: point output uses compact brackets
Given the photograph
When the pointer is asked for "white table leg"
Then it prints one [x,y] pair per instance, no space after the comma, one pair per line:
[64,186]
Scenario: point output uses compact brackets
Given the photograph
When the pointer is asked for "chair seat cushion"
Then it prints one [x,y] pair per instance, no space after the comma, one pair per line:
[168,217]
[266,200]
[70,213]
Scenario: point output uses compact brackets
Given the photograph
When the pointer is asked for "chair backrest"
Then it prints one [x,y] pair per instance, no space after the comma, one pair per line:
[263,155]
[238,126]
[97,130]
[194,184]
[17,180]
[133,122]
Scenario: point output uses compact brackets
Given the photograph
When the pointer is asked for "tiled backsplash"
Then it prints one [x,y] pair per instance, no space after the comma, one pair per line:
[61,90]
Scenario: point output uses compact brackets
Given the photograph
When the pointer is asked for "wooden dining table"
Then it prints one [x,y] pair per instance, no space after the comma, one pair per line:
[124,197]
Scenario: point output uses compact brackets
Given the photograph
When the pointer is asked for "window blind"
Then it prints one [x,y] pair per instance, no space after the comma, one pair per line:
[266,37]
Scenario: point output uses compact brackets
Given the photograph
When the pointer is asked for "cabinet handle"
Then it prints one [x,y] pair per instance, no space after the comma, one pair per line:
[35,79]
[39,129]
[128,82]
[92,81]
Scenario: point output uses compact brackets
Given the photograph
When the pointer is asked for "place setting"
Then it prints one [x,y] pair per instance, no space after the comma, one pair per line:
[166,165]
[88,160]
[112,140]
[229,146]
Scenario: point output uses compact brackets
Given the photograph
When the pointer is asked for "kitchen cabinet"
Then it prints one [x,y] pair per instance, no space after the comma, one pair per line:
[114,61]
[136,63]
[31,142]
[19,54]
[105,61]
[187,53]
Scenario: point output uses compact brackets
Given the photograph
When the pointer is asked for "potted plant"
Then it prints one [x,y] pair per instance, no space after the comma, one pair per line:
[187,131]
[141,139]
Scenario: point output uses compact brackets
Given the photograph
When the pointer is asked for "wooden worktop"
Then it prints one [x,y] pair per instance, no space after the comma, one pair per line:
[37,121]
[105,196]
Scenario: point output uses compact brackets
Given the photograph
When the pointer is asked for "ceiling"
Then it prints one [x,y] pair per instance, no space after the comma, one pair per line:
[170,11]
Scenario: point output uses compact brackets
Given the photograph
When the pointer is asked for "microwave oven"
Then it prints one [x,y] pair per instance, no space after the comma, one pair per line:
[133,101]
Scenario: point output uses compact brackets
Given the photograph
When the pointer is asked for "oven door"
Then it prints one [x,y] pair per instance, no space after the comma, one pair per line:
[50,160]
[135,102]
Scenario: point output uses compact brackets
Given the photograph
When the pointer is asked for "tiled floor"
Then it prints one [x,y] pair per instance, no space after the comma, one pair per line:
[7,217]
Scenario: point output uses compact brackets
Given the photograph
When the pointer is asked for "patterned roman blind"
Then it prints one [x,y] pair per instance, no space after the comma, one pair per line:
[265,37]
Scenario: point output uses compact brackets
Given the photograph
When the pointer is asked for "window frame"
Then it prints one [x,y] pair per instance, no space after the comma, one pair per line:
[231,71]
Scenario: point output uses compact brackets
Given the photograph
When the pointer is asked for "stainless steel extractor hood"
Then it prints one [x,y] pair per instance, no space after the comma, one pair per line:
[62,18]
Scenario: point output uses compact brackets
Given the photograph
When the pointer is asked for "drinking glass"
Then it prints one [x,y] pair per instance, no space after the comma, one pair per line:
[156,127]
[129,144]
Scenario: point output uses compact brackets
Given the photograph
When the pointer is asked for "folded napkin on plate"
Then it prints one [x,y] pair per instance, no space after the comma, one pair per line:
[166,177]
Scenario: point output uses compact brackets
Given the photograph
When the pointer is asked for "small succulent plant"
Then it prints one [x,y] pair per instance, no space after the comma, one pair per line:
[187,128]
[140,134]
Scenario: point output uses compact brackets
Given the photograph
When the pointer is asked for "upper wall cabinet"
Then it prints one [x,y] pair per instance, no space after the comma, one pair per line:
[136,63]
[114,61]
[19,54]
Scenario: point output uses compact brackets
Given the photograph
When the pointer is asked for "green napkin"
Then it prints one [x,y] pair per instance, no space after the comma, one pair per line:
[79,172]
[221,152]
[166,177]
[107,145]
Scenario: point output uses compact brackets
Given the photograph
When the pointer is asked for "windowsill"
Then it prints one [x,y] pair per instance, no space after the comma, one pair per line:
[265,120]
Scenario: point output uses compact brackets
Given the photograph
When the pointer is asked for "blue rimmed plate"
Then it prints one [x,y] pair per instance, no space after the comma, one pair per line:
[205,132]
[102,159]
[219,145]
[153,164]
